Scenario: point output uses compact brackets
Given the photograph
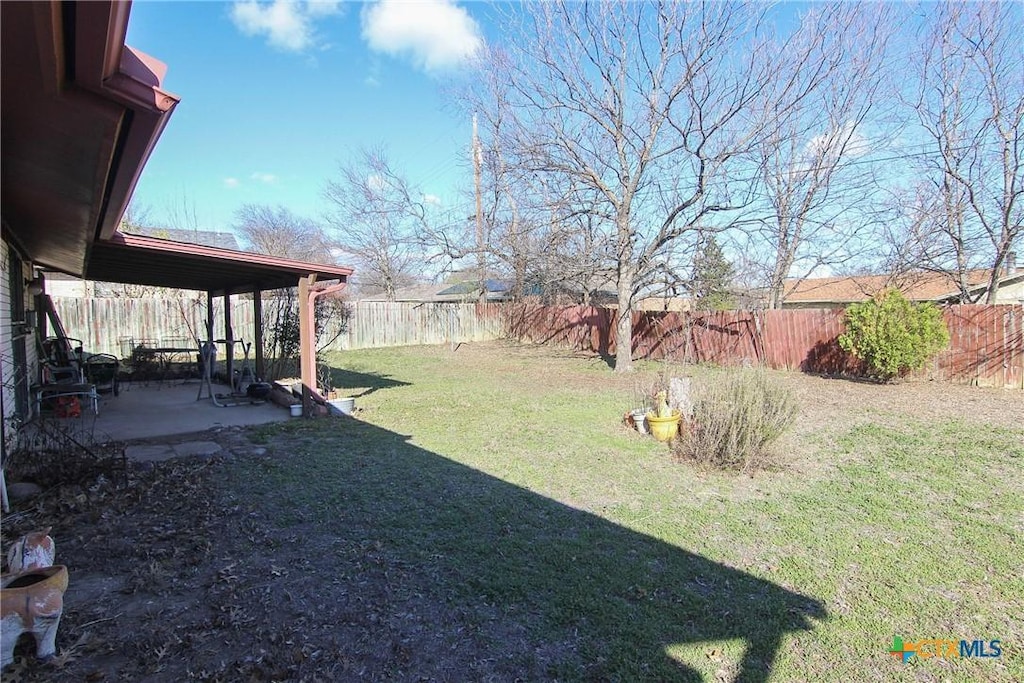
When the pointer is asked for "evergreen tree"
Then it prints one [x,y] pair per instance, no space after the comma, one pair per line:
[711,277]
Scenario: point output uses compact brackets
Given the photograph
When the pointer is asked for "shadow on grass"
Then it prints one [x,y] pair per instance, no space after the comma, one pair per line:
[558,593]
[367,382]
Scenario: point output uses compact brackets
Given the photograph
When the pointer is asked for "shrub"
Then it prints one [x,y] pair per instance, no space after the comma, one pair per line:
[892,335]
[736,420]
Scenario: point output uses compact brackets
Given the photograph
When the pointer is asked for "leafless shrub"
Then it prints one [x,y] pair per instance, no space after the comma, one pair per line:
[736,420]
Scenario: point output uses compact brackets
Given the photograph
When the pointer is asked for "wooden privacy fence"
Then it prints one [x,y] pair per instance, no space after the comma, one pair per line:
[376,324]
[110,325]
[986,341]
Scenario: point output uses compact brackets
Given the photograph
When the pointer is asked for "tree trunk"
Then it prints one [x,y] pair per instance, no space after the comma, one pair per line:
[993,283]
[624,324]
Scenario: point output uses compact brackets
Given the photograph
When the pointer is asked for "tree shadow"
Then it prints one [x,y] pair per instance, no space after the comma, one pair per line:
[567,594]
[584,328]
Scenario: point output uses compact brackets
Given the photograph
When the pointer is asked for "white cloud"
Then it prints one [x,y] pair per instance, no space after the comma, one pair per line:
[432,199]
[436,34]
[323,8]
[231,183]
[287,25]
[845,140]
[264,177]
[371,81]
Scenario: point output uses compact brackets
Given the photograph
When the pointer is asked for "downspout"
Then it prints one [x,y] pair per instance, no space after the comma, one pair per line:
[307,338]
[4,500]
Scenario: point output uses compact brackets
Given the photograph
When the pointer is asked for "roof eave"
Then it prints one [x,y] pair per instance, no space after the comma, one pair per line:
[130,78]
[184,248]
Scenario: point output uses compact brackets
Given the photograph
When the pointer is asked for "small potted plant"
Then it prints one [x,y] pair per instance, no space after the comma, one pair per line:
[663,421]
[640,405]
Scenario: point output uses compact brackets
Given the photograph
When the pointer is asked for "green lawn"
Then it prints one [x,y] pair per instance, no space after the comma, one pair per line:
[497,484]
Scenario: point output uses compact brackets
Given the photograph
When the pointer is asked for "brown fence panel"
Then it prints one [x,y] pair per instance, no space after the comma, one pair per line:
[986,346]
[986,341]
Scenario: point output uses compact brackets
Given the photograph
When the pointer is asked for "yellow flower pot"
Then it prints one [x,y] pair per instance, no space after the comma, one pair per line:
[664,428]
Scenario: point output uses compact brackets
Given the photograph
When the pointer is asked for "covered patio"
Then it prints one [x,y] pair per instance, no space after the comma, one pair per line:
[222,273]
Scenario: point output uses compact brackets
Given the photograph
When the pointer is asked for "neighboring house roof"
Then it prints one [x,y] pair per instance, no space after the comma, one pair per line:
[411,293]
[497,290]
[471,289]
[918,286]
[207,238]
[659,303]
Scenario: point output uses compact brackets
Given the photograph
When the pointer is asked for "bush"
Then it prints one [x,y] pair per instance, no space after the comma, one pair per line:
[892,335]
[736,420]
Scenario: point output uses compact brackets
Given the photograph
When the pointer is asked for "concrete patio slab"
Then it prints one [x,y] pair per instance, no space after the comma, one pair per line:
[197,448]
[146,411]
[156,452]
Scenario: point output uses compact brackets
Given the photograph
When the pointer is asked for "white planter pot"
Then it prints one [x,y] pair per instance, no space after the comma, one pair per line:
[640,420]
[342,406]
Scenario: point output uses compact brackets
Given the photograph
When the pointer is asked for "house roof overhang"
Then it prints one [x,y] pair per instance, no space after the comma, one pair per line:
[135,259]
[81,115]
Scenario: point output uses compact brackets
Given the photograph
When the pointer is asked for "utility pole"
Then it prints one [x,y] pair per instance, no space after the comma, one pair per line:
[477,161]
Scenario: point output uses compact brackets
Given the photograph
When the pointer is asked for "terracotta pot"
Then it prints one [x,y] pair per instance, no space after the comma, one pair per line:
[32,602]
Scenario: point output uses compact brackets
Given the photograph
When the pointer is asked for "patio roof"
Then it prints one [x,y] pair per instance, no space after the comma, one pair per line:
[140,260]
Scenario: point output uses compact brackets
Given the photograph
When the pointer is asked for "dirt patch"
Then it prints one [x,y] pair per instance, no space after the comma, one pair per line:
[174,578]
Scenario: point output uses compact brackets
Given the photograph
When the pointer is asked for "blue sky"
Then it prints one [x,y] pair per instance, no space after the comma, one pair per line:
[275,95]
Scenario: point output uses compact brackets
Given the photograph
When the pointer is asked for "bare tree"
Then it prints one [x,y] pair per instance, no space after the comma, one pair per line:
[135,217]
[969,105]
[580,258]
[926,234]
[182,215]
[812,176]
[642,105]
[279,232]
[550,239]
[377,215]
[138,219]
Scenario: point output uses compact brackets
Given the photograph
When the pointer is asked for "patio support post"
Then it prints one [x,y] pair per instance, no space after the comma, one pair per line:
[229,341]
[209,320]
[307,335]
[307,343]
[257,313]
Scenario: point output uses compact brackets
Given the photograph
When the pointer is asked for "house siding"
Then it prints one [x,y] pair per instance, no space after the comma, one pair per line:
[1011,293]
[6,357]
[18,352]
